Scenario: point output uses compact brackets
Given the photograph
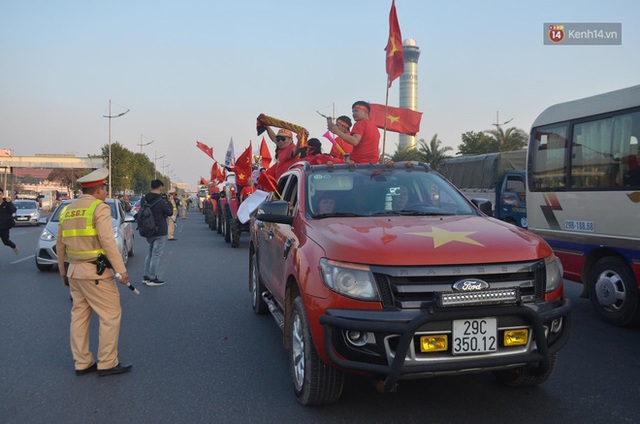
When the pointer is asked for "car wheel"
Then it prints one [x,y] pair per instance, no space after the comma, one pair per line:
[255,286]
[314,382]
[43,267]
[235,233]
[125,253]
[132,250]
[613,292]
[530,375]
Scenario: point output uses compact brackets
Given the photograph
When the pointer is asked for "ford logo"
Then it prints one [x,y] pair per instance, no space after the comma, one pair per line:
[468,285]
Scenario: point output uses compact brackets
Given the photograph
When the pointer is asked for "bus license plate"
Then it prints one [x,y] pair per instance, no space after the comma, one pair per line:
[474,336]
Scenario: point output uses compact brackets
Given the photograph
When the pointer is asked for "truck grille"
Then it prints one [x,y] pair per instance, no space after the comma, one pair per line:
[424,287]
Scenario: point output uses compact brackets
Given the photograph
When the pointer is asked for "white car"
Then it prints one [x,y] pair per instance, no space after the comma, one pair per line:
[123,232]
[27,212]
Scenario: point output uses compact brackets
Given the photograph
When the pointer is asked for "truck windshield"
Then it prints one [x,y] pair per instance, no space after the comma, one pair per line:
[371,192]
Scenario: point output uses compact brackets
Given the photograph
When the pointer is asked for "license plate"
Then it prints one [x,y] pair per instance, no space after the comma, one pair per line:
[474,336]
[21,218]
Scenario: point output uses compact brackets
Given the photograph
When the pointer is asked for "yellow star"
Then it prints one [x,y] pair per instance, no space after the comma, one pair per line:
[394,49]
[393,119]
[442,237]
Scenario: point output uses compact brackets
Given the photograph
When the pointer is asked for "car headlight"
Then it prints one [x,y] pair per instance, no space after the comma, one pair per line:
[554,271]
[47,235]
[351,280]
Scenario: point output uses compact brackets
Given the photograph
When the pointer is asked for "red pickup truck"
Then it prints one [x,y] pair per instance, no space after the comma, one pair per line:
[389,271]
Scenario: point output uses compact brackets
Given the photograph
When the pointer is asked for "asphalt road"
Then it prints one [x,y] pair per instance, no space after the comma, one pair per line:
[200,355]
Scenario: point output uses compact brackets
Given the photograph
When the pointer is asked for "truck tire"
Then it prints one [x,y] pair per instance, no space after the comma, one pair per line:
[255,286]
[235,232]
[218,218]
[613,291]
[314,382]
[227,224]
[530,375]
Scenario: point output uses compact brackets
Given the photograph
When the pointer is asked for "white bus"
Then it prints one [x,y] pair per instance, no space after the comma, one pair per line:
[583,196]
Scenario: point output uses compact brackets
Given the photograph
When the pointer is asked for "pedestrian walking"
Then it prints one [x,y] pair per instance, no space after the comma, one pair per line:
[7,209]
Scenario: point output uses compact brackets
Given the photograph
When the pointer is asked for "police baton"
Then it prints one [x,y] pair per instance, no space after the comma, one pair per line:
[133,289]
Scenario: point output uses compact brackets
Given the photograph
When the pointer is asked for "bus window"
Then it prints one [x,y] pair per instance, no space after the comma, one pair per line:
[549,152]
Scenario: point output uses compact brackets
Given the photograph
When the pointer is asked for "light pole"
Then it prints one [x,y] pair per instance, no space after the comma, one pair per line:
[155,163]
[144,144]
[111,116]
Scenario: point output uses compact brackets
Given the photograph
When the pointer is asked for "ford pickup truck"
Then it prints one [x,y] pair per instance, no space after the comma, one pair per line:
[388,271]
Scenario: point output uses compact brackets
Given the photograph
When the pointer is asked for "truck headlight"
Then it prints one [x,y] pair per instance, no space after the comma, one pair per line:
[554,273]
[351,280]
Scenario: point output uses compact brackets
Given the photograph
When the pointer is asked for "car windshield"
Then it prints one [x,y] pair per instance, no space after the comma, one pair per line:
[25,204]
[55,217]
[373,192]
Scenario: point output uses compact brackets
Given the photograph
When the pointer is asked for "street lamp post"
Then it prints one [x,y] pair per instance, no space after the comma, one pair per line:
[144,144]
[155,164]
[112,116]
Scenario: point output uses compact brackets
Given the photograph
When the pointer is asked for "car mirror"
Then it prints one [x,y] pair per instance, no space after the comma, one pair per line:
[277,212]
[129,218]
[484,205]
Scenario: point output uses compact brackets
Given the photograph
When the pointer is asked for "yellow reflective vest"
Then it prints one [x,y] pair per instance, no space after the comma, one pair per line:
[86,230]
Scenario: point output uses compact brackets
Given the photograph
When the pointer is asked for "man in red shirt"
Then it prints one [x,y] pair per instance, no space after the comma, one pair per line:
[286,152]
[364,137]
[344,123]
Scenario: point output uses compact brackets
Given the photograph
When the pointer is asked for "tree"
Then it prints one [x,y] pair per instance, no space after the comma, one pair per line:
[432,153]
[511,139]
[406,154]
[67,177]
[476,143]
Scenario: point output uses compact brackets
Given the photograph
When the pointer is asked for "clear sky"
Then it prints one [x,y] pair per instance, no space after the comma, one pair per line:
[202,70]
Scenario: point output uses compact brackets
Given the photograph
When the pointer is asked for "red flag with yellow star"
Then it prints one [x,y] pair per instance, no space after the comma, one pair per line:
[401,120]
[264,154]
[243,166]
[395,52]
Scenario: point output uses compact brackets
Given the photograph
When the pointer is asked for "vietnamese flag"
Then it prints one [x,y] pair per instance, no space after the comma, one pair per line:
[208,150]
[267,180]
[264,154]
[203,181]
[242,167]
[400,120]
[394,49]
[215,174]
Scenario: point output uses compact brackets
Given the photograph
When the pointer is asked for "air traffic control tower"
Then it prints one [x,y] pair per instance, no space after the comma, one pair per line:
[409,85]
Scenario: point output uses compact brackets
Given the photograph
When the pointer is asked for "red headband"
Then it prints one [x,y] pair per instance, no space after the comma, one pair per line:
[361,107]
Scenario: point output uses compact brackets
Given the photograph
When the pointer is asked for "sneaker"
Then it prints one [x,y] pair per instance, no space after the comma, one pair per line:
[145,279]
[16,250]
[154,282]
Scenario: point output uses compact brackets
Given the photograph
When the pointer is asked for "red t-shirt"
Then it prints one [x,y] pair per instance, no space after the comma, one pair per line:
[285,160]
[367,149]
[345,146]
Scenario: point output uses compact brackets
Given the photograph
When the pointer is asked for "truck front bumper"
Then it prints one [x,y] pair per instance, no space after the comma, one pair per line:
[393,352]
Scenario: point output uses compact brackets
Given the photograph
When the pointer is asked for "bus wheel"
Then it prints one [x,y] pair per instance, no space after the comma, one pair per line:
[614,292]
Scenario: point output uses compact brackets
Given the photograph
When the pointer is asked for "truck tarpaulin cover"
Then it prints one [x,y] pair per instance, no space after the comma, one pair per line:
[482,171]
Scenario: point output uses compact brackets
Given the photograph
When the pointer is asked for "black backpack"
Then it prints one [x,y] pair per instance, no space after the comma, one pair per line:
[144,218]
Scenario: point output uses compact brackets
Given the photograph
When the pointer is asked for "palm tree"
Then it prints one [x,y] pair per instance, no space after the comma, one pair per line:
[511,139]
[406,154]
[432,153]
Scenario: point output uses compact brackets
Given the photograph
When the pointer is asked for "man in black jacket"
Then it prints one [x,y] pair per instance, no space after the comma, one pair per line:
[7,209]
[161,209]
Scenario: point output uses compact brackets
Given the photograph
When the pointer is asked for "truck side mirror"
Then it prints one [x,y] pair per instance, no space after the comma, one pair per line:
[484,205]
[277,212]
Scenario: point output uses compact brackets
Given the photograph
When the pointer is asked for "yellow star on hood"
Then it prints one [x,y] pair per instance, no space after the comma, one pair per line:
[442,237]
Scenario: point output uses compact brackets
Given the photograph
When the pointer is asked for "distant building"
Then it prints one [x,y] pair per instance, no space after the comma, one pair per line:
[409,86]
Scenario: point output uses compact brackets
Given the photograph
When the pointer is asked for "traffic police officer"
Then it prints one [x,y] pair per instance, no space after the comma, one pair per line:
[85,231]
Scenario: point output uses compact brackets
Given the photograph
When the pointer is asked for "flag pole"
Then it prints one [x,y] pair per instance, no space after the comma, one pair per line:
[384,132]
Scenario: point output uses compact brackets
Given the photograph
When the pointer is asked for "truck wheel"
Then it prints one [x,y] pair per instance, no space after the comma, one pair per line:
[530,375]
[256,287]
[218,223]
[235,233]
[613,291]
[314,382]
[227,225]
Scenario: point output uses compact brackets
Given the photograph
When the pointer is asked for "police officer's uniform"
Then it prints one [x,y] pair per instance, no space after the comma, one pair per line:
[84,232]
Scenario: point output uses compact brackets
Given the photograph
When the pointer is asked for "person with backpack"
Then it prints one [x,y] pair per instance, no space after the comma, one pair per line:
[154,231]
